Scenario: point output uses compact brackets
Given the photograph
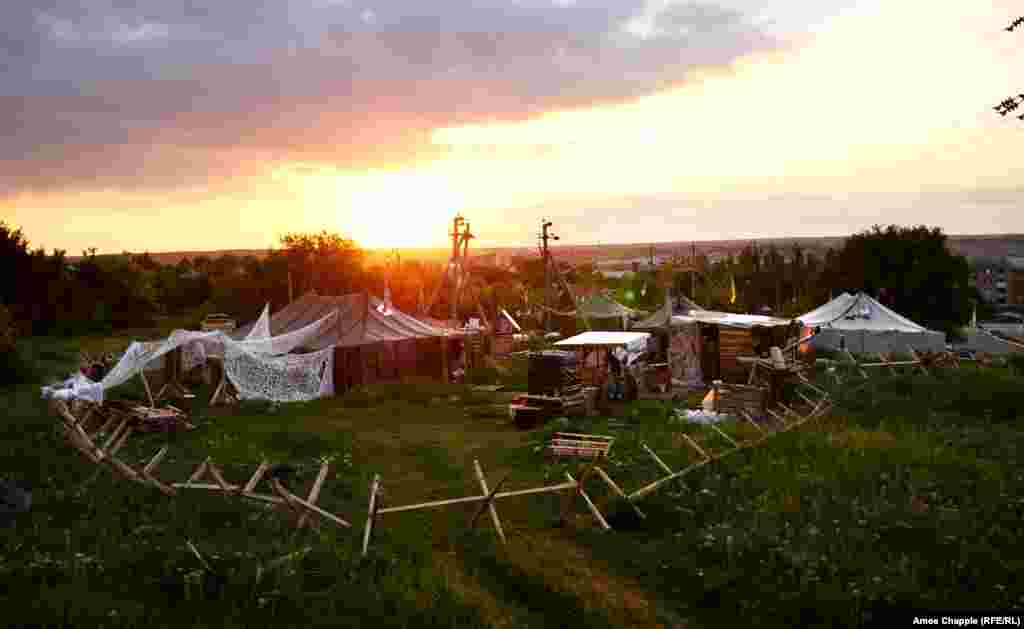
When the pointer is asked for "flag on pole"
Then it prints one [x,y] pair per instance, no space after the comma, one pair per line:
[732,292]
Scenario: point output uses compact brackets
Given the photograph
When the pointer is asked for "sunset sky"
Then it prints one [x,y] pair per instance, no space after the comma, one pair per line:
[186,125]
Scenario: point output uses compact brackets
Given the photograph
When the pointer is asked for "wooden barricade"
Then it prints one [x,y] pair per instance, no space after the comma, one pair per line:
[486,500]
[705,458]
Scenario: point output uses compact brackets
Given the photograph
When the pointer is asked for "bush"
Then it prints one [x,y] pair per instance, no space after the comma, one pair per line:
[1016,363]
[8,331]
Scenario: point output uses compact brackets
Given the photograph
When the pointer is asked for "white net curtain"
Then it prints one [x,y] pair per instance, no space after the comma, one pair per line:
[257,366]
[290,378]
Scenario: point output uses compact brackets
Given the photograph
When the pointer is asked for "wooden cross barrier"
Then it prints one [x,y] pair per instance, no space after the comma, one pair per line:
[486,500]
[105,455]
[817,409]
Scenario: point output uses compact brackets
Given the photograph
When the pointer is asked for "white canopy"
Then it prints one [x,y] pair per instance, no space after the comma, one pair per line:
[861,324]
[858,312]
[632,341]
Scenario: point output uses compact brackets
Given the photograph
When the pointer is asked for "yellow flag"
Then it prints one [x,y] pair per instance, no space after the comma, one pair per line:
[732,293]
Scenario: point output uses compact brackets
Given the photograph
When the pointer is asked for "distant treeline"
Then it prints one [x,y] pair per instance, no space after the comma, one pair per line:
[908,269]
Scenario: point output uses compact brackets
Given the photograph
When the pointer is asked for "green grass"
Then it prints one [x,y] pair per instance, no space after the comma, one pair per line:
[907,494]
[110,553]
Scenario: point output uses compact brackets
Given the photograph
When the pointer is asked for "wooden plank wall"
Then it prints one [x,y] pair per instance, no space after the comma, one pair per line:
[734,342]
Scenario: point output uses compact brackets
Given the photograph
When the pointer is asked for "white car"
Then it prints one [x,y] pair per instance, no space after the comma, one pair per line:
[1007,323]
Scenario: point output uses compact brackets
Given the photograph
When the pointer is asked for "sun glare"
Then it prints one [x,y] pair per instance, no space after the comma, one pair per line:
[397,209]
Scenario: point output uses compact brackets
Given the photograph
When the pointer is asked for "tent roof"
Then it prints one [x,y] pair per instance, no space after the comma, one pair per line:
[729,319]
[354,326]
[858,312]
[605,339]
[601,307]
[660,318]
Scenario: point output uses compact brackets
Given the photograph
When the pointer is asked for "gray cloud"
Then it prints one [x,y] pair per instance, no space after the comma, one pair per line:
[163,94]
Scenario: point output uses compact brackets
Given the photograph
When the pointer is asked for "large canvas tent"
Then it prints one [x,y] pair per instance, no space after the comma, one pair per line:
[373,342]
[862,325]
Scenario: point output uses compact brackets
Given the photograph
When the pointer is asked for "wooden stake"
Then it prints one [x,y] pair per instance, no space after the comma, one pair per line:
[125,469]
[371,513]
[147,473]
[694,445]
[502,494]
[665,468]
[777,416]
[885,359]
[124,438]
[725,436]
[657,460]
[314,493]
[593,509]
[199,473]
[863,373]
[752,422]
[618,491]
[260,471]
[293,500]
[643,491]
[489,503]
[149,392]
[218,478]
[111,418]
[920,363]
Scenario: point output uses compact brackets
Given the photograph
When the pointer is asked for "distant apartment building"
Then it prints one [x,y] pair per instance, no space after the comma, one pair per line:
[1015,281]
[993,284]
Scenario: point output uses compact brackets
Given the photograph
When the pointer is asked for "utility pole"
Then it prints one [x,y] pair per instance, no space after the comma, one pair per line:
[693,271]
[546,256]
[453,266]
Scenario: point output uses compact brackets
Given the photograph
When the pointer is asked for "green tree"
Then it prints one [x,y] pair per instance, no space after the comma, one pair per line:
[325,262]
[926,282]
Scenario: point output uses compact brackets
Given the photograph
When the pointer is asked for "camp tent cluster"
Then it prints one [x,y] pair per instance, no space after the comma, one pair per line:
[314,347]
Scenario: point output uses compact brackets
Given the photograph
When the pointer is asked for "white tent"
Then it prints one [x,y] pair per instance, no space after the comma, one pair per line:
[862,325]
[979,340]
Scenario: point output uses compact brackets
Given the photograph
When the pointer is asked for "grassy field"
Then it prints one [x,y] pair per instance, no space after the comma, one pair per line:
[909,493]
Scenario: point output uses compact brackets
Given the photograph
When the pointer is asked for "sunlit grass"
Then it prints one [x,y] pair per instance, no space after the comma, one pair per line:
[907,493]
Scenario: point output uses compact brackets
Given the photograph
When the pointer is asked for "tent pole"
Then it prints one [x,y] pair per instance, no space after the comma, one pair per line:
[444,359]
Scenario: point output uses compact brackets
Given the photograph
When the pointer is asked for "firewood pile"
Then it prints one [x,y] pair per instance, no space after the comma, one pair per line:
[737,398]
[146,419]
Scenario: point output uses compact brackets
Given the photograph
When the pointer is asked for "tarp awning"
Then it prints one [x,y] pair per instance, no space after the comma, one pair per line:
[729,319]
[632,341]
[660,318]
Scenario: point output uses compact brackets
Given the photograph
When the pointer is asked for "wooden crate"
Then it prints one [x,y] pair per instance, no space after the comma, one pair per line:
[574,444]
[735,398]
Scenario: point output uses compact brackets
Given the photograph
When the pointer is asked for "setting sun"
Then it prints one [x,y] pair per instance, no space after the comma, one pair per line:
[396,209]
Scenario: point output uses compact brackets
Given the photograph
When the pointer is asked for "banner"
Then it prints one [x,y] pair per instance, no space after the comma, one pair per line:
[685,352]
